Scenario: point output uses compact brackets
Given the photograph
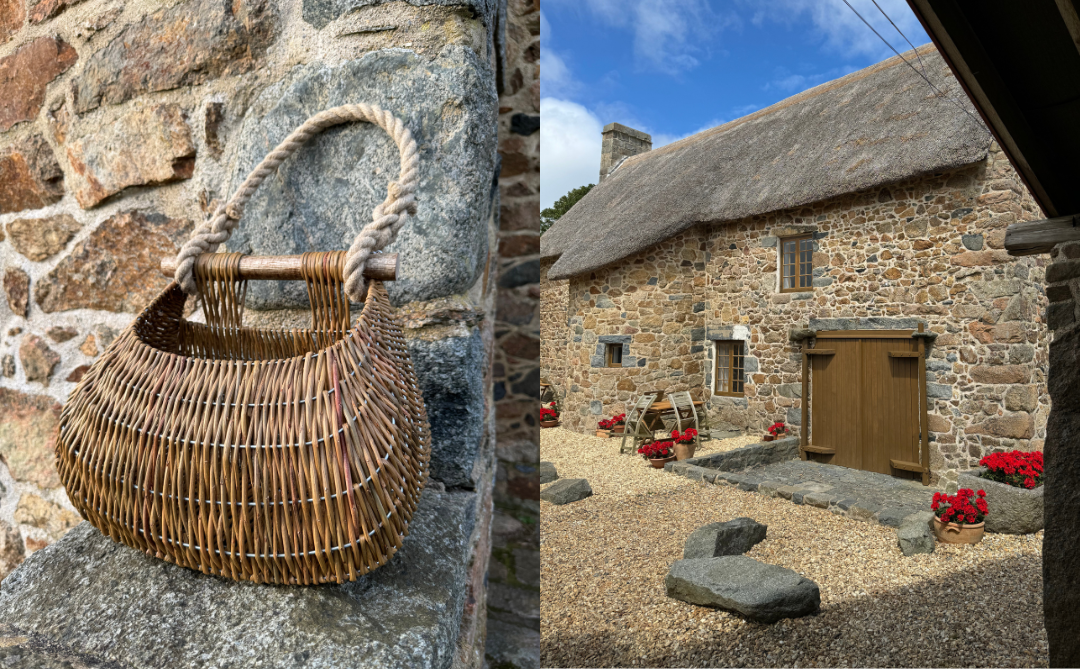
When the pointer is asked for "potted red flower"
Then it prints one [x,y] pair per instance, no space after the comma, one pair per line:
[776,430]
[658,453]
[1018,469]
[618,423]
[549,417]
[958,519]
[603,428]
[685,443]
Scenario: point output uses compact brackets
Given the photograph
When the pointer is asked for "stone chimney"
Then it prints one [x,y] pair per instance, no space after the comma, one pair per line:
[621,142]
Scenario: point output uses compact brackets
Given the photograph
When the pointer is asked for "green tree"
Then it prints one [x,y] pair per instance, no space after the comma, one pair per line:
[562,205]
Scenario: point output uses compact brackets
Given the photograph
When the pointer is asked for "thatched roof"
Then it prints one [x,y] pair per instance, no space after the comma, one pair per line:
[876,126]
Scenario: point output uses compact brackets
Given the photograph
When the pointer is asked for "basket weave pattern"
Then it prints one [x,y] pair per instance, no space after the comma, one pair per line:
[276,456]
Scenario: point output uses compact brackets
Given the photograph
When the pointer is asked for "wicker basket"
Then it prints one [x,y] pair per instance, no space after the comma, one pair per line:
[275,456]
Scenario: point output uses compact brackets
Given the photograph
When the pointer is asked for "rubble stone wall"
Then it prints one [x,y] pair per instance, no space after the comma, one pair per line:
[927,250]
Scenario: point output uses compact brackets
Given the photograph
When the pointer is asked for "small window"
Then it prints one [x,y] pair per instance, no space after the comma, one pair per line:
[729,368]
[796,264]
[613,354]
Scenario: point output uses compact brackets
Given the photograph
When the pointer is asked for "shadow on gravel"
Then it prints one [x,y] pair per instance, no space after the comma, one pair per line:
[989,619]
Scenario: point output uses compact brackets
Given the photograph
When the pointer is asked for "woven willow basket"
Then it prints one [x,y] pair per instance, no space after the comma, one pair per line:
[275,456]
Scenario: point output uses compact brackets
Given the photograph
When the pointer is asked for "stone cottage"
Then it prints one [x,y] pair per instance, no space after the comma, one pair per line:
[836,224]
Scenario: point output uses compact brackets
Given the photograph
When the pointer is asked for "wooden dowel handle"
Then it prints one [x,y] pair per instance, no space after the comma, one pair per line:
[379,266]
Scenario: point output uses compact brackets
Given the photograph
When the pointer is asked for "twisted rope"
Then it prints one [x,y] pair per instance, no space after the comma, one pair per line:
[388,217]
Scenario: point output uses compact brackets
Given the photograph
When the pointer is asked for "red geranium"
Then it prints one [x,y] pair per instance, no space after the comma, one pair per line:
[778,428]
[686,437]
[617,420]
[656,449]
[1017,468]
[548,414]
[605,424]
[966,506]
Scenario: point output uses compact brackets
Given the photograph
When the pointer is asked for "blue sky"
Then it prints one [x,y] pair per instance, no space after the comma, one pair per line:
[672,68]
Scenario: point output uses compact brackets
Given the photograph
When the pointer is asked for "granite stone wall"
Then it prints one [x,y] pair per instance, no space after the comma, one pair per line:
[929,250]
[513,625]
[122,124]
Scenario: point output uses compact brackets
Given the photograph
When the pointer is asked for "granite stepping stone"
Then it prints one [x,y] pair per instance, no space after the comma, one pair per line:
[565,491]
[734,537]
[761,592]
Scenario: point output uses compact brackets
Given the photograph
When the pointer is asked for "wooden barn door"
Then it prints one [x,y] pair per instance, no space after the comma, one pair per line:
[866,401]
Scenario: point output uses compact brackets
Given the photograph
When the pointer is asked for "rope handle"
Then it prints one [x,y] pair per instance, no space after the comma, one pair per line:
[388,217]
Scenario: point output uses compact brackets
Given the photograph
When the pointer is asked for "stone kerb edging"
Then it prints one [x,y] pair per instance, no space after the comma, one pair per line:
[1012,510]
[754,455]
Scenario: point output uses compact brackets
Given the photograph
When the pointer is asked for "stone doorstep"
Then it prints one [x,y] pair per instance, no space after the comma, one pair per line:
[812,493]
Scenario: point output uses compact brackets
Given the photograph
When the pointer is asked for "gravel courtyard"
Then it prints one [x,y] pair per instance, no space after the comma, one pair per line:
[603,562]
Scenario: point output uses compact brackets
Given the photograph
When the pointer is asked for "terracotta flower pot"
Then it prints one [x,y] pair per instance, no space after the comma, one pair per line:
[603,434]
[958,533]
[768,437]
[685,451]
[549,423]
[618,429]
[660,462]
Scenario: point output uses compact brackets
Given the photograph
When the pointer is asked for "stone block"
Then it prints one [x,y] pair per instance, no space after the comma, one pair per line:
[25,74]
[43,10]
[1062,270]
[915,535]
[749,483]
[1012,510]
[41,238]
[769,488]
[548,474]
[1018,425]
[38,360]
[733,537]
[148,146]
[17,290]
[1060,315]
[820,500]
[938,391]
[12,550]
[972,242]
[182,45]
[54,519]
[28,427]
[406,613]
[116,268]
[786,491]
[1001,374]
[30,177]
[566,491]
[1022,398]
[12,15]
[761,592]
[448,102]
[892,516]
[450,373]
[864,511]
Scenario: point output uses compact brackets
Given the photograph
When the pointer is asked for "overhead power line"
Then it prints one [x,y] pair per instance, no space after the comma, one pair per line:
[936,90]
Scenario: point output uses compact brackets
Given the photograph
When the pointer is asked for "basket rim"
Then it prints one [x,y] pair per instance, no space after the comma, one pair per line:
[363,315]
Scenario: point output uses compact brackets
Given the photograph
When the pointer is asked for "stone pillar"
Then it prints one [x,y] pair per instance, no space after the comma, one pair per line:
[620,143]
[1061,543]
[123,126]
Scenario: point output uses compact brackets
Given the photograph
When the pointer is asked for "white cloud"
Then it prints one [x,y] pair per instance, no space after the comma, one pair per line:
[569,148]
[670,36]
[841,29]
